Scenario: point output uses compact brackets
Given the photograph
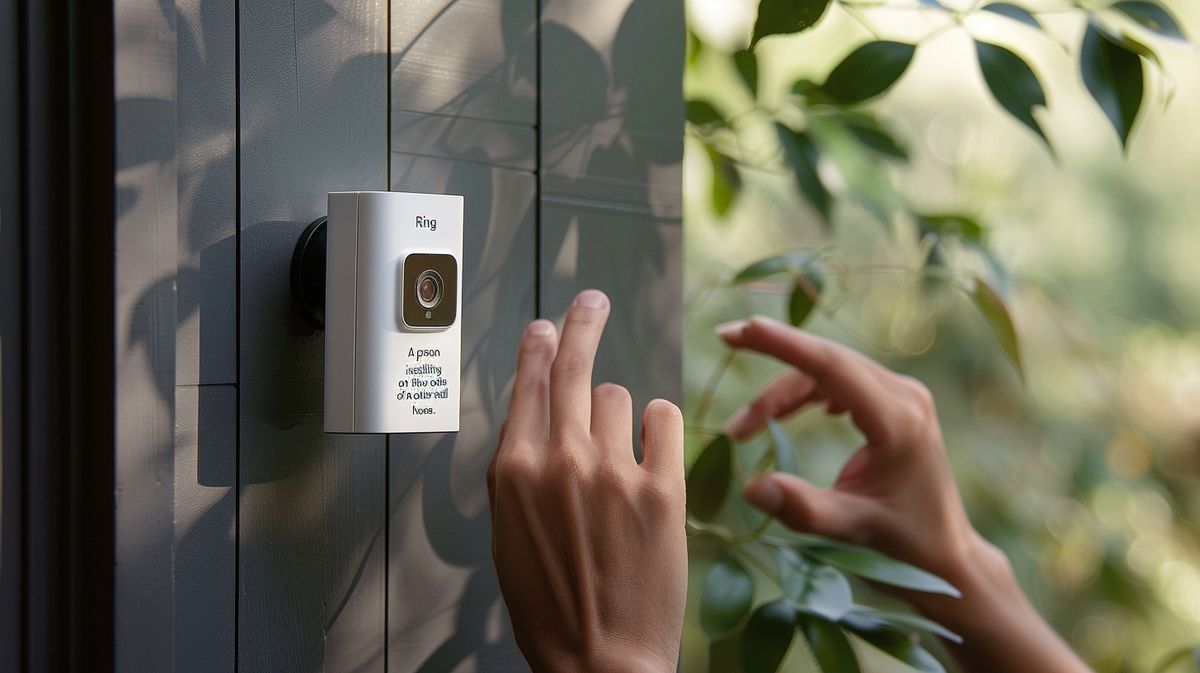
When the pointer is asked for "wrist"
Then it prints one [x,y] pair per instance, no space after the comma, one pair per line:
[620,660]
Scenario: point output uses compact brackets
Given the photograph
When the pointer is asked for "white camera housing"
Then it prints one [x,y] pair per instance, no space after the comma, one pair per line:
[393,312]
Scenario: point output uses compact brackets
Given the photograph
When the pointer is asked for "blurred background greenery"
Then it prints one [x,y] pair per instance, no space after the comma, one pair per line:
[1086,471]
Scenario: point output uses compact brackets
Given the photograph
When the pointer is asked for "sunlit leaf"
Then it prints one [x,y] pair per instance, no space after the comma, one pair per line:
[991,305]
[1014,12]
[866,179]
[952,225]
[801,153]
[893,642]
[694,47]
[767,636]
[727,597]
[829,645]
[1013,83]
[812,588]
[704,113]
[782,17]
[873,136]
[726,181]
[1115,78]
[868,71]
[708,480]
[805,293]
[908,621]
[792,262]
[1153,16]
[872,565]
[747,66]
[785,453]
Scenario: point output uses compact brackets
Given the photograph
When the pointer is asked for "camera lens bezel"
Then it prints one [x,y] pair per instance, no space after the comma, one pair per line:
[442,312]
[438,288]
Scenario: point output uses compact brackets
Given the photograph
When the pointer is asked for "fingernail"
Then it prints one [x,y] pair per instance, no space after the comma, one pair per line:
[540,328]
[728,330]
[764,494]
[591,299]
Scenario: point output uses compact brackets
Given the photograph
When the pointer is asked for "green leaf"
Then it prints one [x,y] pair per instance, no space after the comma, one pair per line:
[1013,83]
[694,47]
[829,645]
[795,261]
[704,113]
[875,566]
[813,588]
[952,225]
[907,620]
[801,153]
[783,17]
[747,66]
[866,180]
[991,305]
[1015,13]
[708,480]
[868,71]
[1153,16]
[726,181]
[1169,663]
[768,635]
[873,136]
[785,453]
[727,597]
[1115,78]
[805,293]
[893,642]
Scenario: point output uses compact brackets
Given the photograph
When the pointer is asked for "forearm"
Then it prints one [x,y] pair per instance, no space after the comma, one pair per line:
[1002,632]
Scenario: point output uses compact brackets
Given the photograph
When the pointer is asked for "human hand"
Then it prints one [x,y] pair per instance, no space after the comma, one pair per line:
[589,546]
[896,494]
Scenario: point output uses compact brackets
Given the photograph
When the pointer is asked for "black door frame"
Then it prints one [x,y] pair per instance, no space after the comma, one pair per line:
[58,317]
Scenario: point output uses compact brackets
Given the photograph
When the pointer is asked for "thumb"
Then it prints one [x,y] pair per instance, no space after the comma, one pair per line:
[809,509]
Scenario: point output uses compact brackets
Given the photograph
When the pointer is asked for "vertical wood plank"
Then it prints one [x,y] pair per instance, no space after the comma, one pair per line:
[313,100]
[611,187]
[205,584]
[463,122]
[206,439]
[146,252]
[206,342]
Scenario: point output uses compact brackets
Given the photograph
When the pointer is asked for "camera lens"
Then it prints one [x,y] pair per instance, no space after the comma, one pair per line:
[429,288]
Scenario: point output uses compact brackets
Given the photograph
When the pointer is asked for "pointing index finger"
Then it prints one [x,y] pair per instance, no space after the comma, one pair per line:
[845,377]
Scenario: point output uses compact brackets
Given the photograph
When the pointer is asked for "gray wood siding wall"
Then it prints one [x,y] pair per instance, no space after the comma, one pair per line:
[247,539]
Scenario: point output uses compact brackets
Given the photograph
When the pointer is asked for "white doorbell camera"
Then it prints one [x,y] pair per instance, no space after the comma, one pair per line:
[393,311]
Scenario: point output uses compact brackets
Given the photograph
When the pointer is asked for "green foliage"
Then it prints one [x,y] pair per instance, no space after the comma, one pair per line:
[841,157]
[781,17]
[1013,83]
[1182,660]
[727,598]
[709,479]
[1113,75]
[868,71]
[768,635]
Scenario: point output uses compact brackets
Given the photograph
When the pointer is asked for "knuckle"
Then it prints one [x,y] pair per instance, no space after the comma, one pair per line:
[610,480]
[662,497]
[517,468]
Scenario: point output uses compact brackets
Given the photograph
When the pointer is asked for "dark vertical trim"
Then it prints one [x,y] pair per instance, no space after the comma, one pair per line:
[12,447]
[68,213]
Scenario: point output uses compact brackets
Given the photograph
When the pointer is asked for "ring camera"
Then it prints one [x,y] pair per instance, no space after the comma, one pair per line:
[393,288]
